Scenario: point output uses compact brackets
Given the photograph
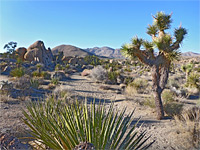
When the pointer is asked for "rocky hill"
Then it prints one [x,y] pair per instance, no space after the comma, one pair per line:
[70,50]
[190,54]
[105,51]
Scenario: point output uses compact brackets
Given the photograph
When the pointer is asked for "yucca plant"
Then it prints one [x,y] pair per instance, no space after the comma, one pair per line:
[187,69]
[17,72]
[61,126]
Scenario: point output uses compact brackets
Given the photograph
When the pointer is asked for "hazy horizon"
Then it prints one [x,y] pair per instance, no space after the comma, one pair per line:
[88,24]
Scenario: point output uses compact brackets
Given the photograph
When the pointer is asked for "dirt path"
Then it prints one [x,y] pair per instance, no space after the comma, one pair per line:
[82,87]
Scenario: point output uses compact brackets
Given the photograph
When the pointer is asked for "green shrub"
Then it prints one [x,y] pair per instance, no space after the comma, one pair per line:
[128,69]
[17,72]
[67,66]
[171,107]
[34,83]
[92,60]
[58,67]
[36,74]
[128,80]
[139,84]
[167,96]
[45,75]
[193,81]
[63,126]
[112,76]
[55,81]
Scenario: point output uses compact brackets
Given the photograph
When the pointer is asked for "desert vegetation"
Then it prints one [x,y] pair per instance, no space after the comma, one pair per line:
[79,102]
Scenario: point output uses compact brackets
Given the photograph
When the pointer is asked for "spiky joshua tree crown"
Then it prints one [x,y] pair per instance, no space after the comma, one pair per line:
[166,44]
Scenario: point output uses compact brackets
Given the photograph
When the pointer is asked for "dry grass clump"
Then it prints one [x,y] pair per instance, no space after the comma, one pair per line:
[137,86]
[188,124]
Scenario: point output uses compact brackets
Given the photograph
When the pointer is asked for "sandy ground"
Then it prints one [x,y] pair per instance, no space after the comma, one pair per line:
[163,132]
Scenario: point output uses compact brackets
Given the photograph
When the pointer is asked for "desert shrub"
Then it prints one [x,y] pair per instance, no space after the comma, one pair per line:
[99,74]
[197,69]
[63,93]
[171,107]
[139,84]
[23,82]
[35,74]
[62,126]
[17,72]
[168,96]
[193,81]
[42,74]
[112,76]
[128,69]
[128,80]
[130,91]
[58,67]
[188,124]
[114,65]
[92,60]
[150,101]
[55,81]
[173,83]
[45,75]
[34,83]
[67,66]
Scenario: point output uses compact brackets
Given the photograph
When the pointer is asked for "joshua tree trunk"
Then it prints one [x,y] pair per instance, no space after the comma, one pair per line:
[159,105]
[157,91]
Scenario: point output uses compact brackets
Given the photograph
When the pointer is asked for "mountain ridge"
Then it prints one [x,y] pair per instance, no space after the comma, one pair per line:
[105,51]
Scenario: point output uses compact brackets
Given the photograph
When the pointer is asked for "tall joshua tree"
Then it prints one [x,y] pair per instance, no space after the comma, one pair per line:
[168,51]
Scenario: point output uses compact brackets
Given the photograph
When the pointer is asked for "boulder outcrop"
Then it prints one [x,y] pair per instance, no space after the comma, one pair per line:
[37,52]
[21,52]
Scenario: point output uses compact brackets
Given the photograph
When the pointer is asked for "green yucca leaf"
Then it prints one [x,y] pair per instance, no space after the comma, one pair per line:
[180,33]
[148,45]
[137,42]
[61,126]
[162,21]
[152,30]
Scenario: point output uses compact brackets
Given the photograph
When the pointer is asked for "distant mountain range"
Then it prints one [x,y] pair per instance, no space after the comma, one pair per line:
[105,51]
[69,50]
[190,54]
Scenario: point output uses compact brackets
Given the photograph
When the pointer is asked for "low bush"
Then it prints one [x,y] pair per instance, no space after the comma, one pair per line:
[35,74]
[55,81]
[99,74]
[92,60]
[42,74]
[63,126]
[139,84]
[188,124]
[112,76]
[193,81]
[171,107]
[34,83]
[17,72]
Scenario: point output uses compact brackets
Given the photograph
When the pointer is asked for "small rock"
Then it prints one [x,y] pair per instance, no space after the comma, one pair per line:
[86,72]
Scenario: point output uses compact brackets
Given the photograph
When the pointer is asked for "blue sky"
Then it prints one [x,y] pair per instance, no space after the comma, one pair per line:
[88,24]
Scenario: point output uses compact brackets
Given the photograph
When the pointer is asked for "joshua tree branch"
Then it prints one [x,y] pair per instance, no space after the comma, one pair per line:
[175,46]
[144,57]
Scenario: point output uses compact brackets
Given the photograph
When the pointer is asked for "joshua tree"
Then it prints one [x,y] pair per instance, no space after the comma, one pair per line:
[187,69]
[168,51]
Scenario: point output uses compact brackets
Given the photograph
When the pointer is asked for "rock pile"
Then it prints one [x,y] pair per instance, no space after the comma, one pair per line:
[36,53]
